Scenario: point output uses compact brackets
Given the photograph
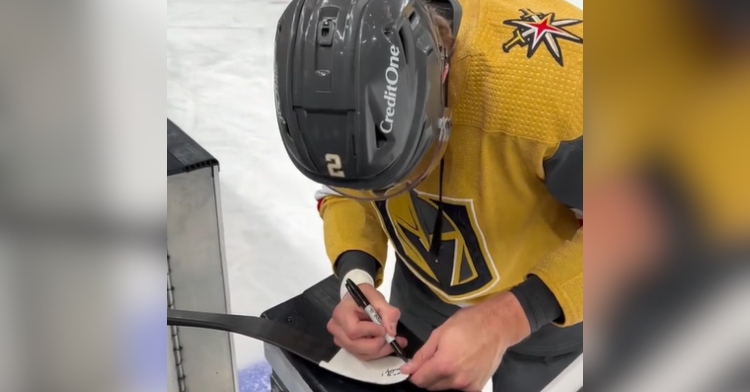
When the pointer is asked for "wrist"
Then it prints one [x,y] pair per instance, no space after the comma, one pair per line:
[357,276]
[508,318]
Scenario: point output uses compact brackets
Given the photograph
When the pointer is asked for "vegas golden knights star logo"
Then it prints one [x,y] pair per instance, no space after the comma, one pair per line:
[463,269]
[534,29]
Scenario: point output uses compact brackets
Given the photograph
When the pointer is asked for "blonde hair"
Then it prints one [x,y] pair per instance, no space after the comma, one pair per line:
[444,27]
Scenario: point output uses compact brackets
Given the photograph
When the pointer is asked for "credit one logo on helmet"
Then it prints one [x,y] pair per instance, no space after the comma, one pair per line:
[390,94]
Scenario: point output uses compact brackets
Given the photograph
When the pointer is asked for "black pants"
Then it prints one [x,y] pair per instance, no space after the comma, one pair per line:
[527,367]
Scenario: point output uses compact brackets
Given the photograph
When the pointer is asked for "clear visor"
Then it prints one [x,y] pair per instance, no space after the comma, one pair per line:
[424,167]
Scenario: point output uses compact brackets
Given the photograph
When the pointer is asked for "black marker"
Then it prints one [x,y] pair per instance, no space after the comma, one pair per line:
[361,300]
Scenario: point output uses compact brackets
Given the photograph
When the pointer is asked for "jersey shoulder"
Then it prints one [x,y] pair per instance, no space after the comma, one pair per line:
[517,68]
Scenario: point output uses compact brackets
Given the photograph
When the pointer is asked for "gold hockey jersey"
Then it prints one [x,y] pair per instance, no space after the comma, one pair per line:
[512,182]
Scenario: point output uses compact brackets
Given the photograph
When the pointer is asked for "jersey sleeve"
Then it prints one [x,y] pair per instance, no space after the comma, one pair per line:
[562,271]
[351,227]
[558,162]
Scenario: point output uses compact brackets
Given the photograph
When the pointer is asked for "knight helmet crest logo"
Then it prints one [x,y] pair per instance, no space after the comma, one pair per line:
[534,28]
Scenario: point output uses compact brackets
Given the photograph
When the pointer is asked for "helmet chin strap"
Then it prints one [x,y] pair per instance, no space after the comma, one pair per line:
[437,230]
[444,82]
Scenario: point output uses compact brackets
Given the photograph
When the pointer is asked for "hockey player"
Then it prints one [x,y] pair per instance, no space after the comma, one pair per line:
[456,132]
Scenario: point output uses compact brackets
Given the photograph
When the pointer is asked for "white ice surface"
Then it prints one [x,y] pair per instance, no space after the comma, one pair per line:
[220,91]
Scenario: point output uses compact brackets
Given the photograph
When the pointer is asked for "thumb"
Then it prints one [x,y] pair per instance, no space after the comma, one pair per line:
[388,313]
[390,316]
[422,356]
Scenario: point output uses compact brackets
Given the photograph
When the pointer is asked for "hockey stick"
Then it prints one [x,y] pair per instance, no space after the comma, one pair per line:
[381,371]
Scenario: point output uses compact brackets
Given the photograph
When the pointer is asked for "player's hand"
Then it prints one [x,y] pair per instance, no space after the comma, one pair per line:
[466,350]
[353,331]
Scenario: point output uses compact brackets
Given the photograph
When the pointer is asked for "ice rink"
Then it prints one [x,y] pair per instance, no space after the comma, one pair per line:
[220,91]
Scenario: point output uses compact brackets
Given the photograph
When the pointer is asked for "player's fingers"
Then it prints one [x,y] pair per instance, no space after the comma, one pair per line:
[347,317]
[423,355]
[365,329]
[388,350]
[334,329]
[385,350]
[433,374]
[347,345]
[367,347]
[354,327]
[353,346]
[388,314]
[363,346]
[362,315]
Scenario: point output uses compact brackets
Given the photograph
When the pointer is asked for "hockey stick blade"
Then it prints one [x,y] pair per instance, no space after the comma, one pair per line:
[324,354]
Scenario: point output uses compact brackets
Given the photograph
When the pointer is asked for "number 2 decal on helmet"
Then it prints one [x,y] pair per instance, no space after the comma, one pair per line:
[334,165]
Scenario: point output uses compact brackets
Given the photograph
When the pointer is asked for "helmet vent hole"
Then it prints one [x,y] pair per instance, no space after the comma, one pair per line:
[380,137]
[404,35]
[413,19]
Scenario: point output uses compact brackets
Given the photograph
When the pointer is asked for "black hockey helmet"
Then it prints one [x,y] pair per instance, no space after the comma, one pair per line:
[359,93]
